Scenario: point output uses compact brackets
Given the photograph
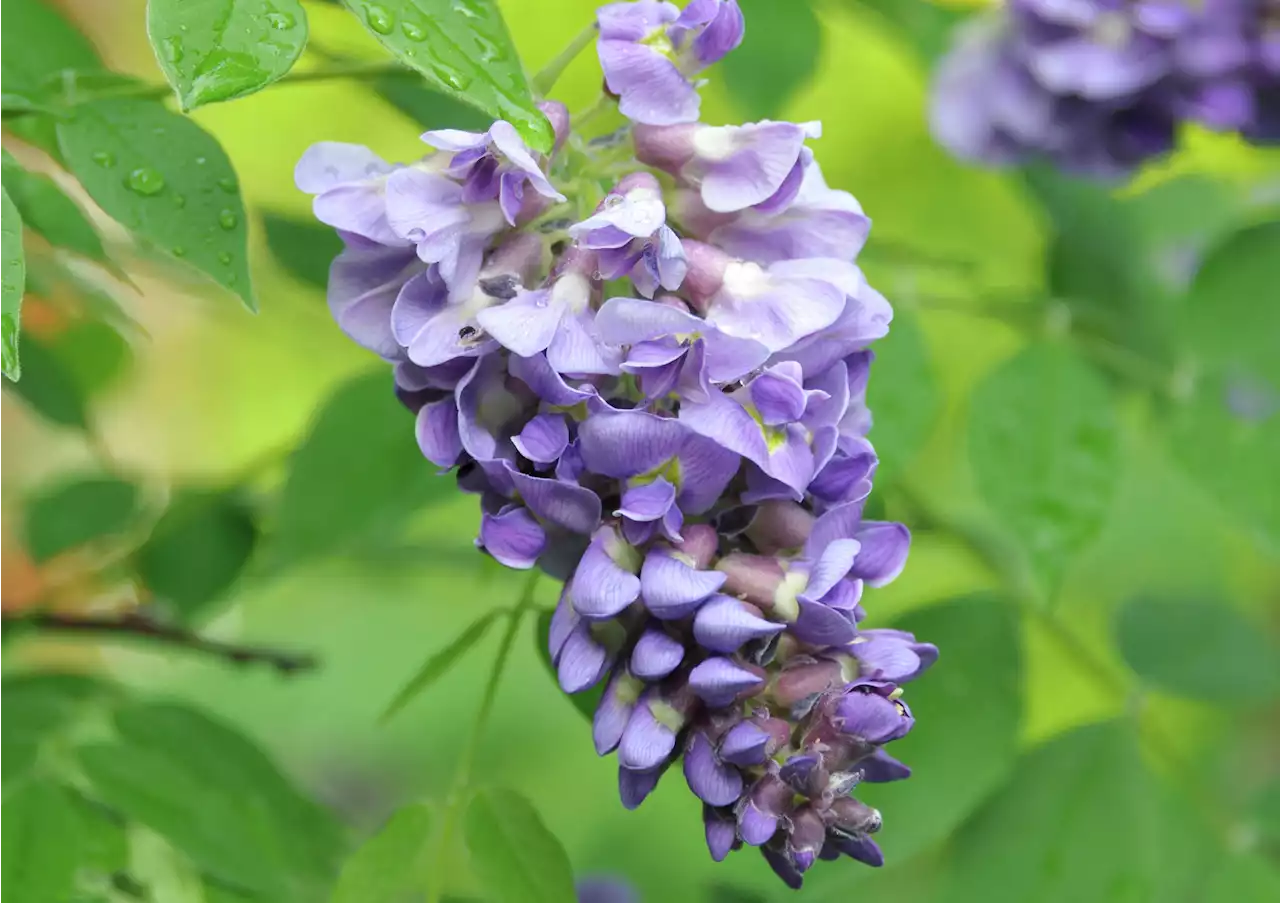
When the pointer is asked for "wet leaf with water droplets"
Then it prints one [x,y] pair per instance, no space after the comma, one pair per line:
[49,212]
[14,281]
[220,49]
[147,174]
[464,48]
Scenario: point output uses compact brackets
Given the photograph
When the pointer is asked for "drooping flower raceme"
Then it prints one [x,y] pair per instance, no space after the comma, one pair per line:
[657,391]
[1099,86]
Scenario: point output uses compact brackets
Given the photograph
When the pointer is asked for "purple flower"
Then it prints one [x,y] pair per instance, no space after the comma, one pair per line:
[734,167]
[349,182]
[649,49]
[495,165]
[630,234]
[365,280]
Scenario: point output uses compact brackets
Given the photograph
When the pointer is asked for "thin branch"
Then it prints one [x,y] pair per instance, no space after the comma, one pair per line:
[547,77]
[134,626]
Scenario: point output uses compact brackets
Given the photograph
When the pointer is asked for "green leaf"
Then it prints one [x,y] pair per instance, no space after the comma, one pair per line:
[358,470]
[104,842]
[212,50]
[388,864]
[1243,878]
[1044,451]
[36,708]
[78,511]
[93,353]
[923,25]
[13,282]
[197,549]
[1175,645]
[438,665]
[50,389]
[586,701]
[41,843]
[164,178]
[1079,821]
[462,46]
[513,854]
[778,56]
[304,248]
[1226,431]
[217,798]
[36,43]
[903,395]
[47,210]
[968,709]
[430,109]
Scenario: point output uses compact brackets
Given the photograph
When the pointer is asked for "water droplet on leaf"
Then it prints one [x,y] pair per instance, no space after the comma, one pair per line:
[413,32]
[224,257]
[179,200]
[280,21]
[103,158]
[379,19]
[451,77]
[201,161]
[145,181]
[178,251]
[227,184]
[468,8]
[228,220]
[172,49]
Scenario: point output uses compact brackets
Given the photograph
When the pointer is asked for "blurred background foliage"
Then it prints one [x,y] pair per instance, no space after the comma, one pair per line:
[1077,411]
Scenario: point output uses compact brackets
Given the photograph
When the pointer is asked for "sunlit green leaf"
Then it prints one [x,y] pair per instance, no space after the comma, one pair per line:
[303,247]
[104,842]
[13,279]
[359,469]
[78,511]
[390,863]
[903,395]
[1225,430]
[463,47]
[164,178]
[41,846]
[212,50]
[37,42]
[1077,822]
[586,701]
[49,388]
[778,55]
[197,549]
[512,852]
[1175,644]
[968,709]
[439,664]
[1044,450]
[36,708]
[46,210]
[217,798]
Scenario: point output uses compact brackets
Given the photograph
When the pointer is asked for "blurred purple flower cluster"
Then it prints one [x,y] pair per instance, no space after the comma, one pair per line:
[658,395]
[1099,86]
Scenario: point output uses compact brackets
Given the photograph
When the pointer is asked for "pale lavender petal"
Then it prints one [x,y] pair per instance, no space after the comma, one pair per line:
[526,324]
[627,321]
[575,349]
[745,744]
[362,290]
[777,394]
[513,537]
[650,87]
[563,620]
[746,164]
[628,21]
[543,439]
[546,383]
[755,826]
[629,443]
[835,561]
[454,139]
[706,469]
[647,502]
[646,742]
[329,164]
[822,626]
[614,711]
[582,660]
[884,551]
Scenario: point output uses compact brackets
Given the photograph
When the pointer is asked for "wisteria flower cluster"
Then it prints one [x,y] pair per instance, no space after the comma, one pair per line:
[658,393]
[1099,86]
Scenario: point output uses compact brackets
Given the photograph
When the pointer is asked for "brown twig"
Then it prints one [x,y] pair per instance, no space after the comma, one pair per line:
[136,626]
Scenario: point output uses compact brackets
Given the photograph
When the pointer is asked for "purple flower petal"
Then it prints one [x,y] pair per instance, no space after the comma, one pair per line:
[513,537]
[437,432]
[721,834]
[647,741]
[673,589]
[628,443]
[883,553]
[600,588]
[711,781]
[650,88]
[635,786]
[614,711]
[754,826]
[582,662]
[725,624]
[822,626]
[744,165]
[718,681]
[745,744]
[648,501]
[656,654]
[543,439]
[526,324]
[880,768]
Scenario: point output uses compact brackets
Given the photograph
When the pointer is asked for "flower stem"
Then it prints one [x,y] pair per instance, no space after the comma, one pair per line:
[549,74]
[462,776]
